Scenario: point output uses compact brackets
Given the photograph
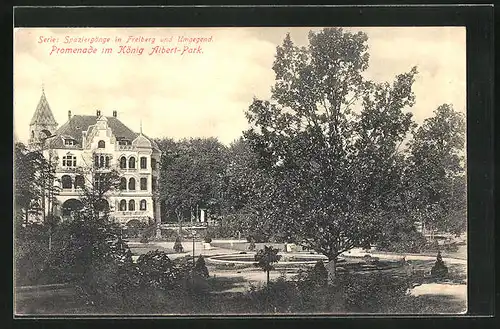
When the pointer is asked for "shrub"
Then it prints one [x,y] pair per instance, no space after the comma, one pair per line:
[439,269]
[144,238]
[201,268]
[374,293]
[156,270]
[318,274]
[178,245]
[251,246]
[208,239]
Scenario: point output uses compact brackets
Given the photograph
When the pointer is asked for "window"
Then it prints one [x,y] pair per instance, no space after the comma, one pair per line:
[97,181]
[79,181]
[131,163]
[153,163]
[123,205]
[131,184]
[144,184]
[124,142]
[123,183]
[101,144]
[96,161]
[154,183]
[144,162]
[101,161]
[69,142]
[131,205]
[107,162]
[66,182]
[69,161]
[123,163]
[143,205]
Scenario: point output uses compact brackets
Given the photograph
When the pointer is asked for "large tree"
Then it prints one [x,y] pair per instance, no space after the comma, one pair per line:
[331,142]
[437,172]
[191,175]
[244,185]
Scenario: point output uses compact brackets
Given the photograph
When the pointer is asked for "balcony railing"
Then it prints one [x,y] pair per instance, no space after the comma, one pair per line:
[128,169]
[132,213]
[124,147]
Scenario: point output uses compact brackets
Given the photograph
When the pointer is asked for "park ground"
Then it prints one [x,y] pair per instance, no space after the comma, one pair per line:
[448,296]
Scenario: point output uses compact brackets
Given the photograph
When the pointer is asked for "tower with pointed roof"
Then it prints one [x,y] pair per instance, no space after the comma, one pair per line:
[43,123]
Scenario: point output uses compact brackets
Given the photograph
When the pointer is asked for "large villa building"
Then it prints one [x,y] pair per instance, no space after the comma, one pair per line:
[88,144]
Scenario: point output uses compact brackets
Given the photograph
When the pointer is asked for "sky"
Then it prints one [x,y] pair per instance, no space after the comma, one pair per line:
[206,94]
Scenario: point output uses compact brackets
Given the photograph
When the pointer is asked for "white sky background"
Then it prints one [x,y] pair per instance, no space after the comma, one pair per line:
[203,95]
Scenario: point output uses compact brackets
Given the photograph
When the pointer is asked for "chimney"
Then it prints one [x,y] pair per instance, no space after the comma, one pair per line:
[114,114]
[98,113]
[69,115]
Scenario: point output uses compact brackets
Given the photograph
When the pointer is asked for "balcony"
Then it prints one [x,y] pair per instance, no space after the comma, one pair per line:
[132,213]
[124,147]
[128,169]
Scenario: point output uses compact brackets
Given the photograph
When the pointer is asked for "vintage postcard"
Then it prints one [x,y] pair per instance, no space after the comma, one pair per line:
[219,171]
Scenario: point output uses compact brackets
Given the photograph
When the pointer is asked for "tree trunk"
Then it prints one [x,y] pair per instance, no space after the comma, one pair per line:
[331,268]
[267,278]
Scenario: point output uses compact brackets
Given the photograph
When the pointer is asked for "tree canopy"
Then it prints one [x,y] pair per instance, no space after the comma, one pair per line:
[331,141]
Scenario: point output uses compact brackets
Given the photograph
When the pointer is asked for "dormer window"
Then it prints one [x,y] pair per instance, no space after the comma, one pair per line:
[101,144]
[124,142]
[69,142]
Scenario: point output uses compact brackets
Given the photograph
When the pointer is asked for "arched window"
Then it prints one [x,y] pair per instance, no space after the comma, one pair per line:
[101,161]
[143,205]
[123,163]
[66,182]
[131,205]
[144,184]
[69,160]
[96,161]
[131,163]
[131,184]
[79,181]
[107,162]
[101,144]
[144,162]
[123,205]
[123,183]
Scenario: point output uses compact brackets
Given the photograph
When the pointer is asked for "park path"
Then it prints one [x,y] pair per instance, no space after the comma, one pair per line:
[361,253]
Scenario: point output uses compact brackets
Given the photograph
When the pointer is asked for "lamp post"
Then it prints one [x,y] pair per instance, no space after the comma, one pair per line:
[194,236]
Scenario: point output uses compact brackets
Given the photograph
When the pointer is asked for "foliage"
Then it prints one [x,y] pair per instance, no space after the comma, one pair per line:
[208,238]
[402,241]
[144,238]
[156,270]
[330,142]
[31,255]
[265,258]
[191,174]
[201,268]
[373,293]
[178,245]
[318,274]
[437,172]
[439,269]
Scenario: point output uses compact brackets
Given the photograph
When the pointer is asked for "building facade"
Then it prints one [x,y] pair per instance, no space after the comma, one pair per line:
[86,145]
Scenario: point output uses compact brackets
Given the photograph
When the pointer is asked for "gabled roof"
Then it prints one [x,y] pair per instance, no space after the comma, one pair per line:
[75,126]
[43,114]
